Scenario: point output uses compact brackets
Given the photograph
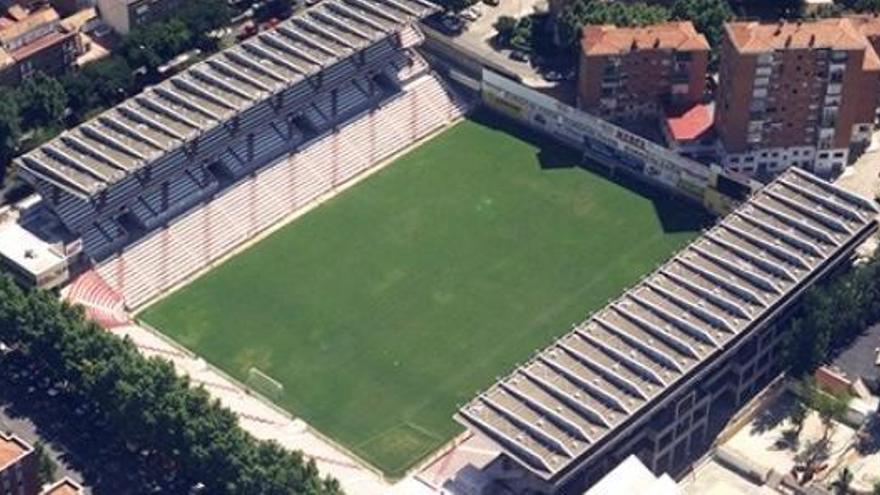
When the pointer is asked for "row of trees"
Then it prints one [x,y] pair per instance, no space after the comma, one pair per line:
[708,16]
[143,404]
[832,315]
[44,105]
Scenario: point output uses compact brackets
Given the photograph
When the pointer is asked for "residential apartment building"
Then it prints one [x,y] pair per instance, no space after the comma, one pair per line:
[628,73]
[125,15]
[18,467]
[795,94]
[32,39]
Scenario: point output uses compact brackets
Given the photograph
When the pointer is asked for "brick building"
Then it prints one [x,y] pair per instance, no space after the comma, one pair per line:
[125,15]
[791,94]
[628,73]
[32,39]
[18,467]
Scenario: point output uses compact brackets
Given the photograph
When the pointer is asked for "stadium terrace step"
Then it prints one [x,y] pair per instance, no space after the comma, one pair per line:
[101,303]
[165,258]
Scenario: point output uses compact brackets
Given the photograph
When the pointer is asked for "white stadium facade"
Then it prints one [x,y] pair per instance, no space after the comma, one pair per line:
[648,374]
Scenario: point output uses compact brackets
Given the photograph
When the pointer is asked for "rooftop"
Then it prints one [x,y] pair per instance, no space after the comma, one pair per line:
[832,33]
[27,251]
[18,20]
[98,153]
[11,450]
[65,486]
[612,40]
[631,476]
[559,406]
[691,123]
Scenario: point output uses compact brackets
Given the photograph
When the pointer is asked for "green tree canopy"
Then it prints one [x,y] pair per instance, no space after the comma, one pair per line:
[579,13]
[42,100]
[708,16]
[143,405]
[10,129]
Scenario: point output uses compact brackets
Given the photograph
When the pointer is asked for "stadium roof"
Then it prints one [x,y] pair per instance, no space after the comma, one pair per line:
[101,152]
[551,411]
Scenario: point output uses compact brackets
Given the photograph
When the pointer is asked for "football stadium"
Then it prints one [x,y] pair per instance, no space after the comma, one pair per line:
[478,234]
[333,226]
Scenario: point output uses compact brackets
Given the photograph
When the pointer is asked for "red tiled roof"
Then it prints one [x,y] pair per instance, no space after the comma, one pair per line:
[610,40]
[832,380]
[11,450]
[835,33]
[691,123]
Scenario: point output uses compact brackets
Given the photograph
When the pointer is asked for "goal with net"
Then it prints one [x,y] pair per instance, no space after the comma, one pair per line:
[264,384]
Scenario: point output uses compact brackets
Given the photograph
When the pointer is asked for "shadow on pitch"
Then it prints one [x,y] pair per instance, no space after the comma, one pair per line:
[675,214]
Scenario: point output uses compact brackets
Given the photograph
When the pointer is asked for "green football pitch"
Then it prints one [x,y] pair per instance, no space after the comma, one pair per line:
[386,307]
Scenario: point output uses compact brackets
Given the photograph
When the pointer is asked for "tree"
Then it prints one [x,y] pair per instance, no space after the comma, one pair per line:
[523,34]
[831,315]
[43,101]
[155,44]
[578,13]
[842,483]
[202,17]
[10,129]
[46,467]
[876,490]
[811,457]
[862,5]
[708,17]
[100,84]
[455,5]
[504,28]
[143,406]
[798,415]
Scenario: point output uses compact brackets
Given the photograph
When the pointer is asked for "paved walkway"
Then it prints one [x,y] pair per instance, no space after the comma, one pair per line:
[268,422]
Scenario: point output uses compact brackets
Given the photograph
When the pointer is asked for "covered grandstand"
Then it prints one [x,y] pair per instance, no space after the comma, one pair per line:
[643,375]
[136,167]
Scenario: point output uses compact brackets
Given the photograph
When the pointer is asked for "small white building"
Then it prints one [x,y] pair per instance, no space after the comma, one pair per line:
[32,261]
[631,477]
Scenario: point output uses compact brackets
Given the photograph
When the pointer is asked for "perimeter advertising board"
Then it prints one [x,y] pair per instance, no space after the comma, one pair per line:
[607,143]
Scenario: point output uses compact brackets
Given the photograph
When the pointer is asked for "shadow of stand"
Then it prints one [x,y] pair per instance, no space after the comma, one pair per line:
[675,213]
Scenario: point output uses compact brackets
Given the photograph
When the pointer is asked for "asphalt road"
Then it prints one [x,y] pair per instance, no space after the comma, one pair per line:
[25,429]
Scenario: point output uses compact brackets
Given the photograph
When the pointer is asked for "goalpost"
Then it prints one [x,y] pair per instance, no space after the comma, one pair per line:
[264,384]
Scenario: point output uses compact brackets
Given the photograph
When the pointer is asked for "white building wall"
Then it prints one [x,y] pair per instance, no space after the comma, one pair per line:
[115,14]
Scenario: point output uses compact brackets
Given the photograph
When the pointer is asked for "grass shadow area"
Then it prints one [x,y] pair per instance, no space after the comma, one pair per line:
[676,213]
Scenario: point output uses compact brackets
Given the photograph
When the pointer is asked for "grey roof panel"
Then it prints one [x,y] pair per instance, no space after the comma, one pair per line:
[164,117]
[623,356]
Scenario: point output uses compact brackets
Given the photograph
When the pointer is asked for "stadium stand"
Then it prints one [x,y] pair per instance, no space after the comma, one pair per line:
[170,255]
[174,178]
[644,374]
[101,303]
[141,164]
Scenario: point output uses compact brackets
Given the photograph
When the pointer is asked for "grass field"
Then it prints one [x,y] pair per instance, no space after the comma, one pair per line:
[383,309]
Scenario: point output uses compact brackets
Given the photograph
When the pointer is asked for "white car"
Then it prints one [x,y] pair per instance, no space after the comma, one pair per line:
[472,13]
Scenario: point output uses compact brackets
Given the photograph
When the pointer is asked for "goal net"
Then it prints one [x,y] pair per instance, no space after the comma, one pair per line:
[264,384]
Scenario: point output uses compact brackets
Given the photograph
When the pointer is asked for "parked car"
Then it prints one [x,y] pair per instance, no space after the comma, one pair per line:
[452,24]
[472,13]
[519,55]
[553,76]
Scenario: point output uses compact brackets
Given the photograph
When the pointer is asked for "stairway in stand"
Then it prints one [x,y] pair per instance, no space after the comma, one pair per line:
[193,241]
